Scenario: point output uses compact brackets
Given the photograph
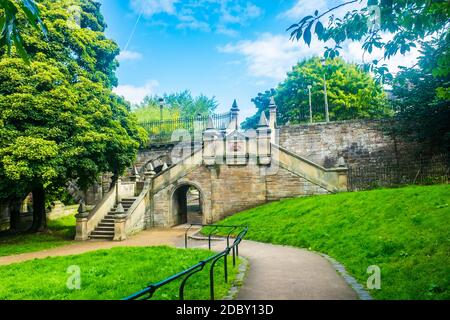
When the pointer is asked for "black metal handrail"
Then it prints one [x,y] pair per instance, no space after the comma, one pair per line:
[149,291]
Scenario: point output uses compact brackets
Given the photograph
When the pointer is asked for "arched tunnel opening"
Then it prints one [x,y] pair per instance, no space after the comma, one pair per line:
[187,205]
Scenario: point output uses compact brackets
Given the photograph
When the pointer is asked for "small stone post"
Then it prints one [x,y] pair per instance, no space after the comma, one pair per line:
[209,143]
[263,141]
[272,119]
[120,219]
[81,223]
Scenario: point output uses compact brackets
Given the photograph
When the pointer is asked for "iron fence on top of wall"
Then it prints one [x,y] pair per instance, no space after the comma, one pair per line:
[161,131]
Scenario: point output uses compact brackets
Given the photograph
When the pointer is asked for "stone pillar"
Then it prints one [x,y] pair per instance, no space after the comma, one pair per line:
[263,136]
[81,223]
[120,219]
[235,115]
[272,119]
[342,175]
[210,136]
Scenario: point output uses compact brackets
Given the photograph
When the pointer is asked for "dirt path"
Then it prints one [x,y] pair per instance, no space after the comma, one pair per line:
[155,237]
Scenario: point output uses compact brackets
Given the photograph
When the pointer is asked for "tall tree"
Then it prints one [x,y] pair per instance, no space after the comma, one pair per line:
[422,101]
[59,119]
[352,93]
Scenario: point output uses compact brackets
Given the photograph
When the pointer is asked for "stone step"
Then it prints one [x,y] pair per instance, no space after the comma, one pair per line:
[102,237]
[107,221]
[97,232]
[105,228]
[105,225]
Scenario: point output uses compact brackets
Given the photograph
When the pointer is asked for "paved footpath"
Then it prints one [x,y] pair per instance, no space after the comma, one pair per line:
[276,272]
[287,273]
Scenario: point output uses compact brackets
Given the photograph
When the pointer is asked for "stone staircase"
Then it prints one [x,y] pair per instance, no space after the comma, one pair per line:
[105,229]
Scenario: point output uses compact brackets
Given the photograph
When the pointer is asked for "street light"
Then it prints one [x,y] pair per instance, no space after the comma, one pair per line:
[310,104]
[161,105]
[327,116]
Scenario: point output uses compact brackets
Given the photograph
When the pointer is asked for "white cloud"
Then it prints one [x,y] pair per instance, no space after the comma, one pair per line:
[271,56]
[152,7]
[136,94]
[303,8]
[222,16]
[128,55]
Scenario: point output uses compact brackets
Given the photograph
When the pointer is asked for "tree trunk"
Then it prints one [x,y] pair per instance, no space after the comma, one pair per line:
[14,218]
[39,215]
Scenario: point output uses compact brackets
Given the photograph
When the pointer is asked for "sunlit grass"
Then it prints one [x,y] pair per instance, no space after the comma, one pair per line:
[405,231]
[113,274]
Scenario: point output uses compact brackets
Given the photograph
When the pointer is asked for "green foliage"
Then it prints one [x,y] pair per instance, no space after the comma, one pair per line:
[404,231]
[352,94]
[176,105]
[59,120]
[408,22]
[422,99]
[108,275]
[10,25]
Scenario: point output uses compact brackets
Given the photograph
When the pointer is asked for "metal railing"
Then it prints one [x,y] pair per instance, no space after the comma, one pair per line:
[161,131]
[186,274]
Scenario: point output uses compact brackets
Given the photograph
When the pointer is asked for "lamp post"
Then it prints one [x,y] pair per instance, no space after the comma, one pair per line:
[161,105]
[310,104]
[327,115]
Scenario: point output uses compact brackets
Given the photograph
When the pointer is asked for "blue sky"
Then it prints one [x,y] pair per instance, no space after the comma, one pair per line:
[230,49]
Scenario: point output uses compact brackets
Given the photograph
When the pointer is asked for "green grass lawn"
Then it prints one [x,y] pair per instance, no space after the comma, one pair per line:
[112,274]
[404,231]
[60,232]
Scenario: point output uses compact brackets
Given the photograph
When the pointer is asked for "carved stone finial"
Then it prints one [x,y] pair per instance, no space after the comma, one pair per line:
[120,209]
[341,162]
[263,121]
[235,107]
[82,210]
[272,104]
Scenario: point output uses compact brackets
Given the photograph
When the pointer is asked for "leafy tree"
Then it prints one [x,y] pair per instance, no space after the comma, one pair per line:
[10,27]
[422,103]
[59,119]
[407,21]
[351,93]
[261,102]
[175,105]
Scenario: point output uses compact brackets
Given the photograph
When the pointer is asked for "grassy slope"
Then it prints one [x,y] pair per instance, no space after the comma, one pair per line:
[111,274]
[61,232]
[405,231]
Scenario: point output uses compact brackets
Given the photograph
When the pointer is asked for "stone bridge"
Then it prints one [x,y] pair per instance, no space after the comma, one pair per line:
[229,171]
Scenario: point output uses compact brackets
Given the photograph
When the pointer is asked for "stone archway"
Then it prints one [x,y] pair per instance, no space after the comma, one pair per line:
[187,204]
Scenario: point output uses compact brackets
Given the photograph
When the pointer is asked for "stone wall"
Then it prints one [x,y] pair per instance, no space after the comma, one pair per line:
[357,141]
[373,157]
